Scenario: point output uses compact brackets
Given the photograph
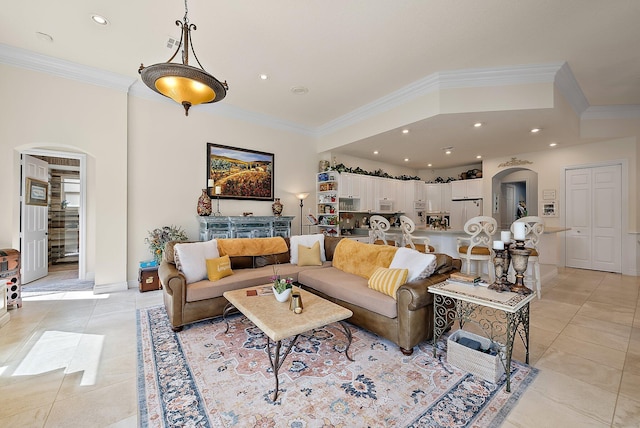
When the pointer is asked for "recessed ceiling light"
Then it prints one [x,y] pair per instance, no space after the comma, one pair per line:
[477,124]
[406,159]
[300,90]
[264,77]
[375,152]
[479,157]
[44,37]
[535,130]
[429,164]
[99,19]
[405,131]
[553,144]
[447,152]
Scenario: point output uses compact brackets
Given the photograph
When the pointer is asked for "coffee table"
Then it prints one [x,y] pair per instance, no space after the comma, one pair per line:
[277,322]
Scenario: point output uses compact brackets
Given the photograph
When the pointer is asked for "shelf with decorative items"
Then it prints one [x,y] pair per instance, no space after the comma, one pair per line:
[327,199]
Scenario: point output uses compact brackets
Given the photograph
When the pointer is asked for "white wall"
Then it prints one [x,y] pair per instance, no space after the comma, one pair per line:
[42,111]
[167,169]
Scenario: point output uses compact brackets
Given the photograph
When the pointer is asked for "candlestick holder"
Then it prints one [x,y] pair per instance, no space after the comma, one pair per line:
[501,262]
[520,256]
[218,213]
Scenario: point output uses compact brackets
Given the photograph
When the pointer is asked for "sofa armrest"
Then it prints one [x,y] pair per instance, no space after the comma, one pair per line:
[172,280]
[417,292]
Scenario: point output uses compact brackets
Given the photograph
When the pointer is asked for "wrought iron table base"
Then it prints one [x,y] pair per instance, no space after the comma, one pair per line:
[447,310]
[273,347]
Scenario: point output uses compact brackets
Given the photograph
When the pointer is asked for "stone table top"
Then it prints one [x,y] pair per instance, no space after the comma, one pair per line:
[277,321]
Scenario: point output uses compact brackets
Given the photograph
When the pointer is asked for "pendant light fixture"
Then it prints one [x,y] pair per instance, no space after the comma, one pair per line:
[183,83]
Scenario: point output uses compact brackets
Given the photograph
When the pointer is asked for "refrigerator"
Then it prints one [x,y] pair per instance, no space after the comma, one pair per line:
[463,210]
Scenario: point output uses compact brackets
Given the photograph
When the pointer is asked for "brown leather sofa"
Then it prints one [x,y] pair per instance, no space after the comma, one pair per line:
[406,321]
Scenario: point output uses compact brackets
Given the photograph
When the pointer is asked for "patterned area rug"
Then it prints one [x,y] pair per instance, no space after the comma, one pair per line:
[203,377]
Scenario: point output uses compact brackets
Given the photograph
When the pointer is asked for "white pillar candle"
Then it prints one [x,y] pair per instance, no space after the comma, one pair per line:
[518,231]
[210,183]
[218,190]
[505,236]
[498,245]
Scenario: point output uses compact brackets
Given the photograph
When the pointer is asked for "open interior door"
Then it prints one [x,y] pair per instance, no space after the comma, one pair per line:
[34,215]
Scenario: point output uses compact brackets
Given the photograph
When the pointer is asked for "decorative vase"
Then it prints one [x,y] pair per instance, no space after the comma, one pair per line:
[282,297]
[204,204]
[323,165]
[276,207]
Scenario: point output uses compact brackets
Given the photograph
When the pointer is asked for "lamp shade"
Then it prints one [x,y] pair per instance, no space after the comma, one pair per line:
[184,84]
[302,196]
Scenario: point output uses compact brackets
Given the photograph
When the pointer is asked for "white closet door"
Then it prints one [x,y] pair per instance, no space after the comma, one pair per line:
[607,219]
[593,210]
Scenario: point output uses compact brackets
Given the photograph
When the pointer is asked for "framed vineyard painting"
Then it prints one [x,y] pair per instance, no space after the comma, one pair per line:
[239,173]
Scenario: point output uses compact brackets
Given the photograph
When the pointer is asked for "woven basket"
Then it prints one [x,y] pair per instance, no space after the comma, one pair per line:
[486,366]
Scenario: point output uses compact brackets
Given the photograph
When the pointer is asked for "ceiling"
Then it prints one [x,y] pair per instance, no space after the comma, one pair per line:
[352,53]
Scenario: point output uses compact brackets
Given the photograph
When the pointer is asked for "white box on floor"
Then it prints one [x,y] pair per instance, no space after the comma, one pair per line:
[484,365]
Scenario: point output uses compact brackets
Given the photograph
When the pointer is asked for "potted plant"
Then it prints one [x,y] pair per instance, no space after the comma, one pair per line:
[159,237]
[281,286]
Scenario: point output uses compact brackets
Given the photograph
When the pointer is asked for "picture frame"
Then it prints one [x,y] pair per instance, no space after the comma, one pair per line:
[239,173]
[37,192]
[549,209]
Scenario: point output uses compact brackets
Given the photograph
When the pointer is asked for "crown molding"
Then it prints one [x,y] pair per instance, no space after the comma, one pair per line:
[61,68]
[140,90]
[479,77]
[559,73]
[631,111]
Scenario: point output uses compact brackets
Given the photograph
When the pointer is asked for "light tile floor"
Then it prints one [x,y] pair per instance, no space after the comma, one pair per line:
[69,359]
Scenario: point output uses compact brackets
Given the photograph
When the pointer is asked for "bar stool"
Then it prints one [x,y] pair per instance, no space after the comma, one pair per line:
[477,246]
[533,229]
[408,227]
[379,226]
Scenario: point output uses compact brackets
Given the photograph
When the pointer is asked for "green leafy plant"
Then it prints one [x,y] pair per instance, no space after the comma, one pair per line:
[280,284]
[158,238]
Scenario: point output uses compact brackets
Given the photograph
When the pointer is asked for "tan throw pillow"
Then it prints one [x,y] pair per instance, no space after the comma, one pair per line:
[218,268]
[309,256]
[387,281]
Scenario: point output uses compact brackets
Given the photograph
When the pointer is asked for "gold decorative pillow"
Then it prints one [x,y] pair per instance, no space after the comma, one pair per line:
[309,256]
[387,280]
[218,268]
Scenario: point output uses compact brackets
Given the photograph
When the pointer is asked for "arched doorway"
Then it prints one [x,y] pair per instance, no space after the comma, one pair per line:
[508,188]
[75,201]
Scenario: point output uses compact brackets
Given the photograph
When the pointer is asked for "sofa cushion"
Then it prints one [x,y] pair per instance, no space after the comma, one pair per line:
[218,268]
[348,288]
[444,263]
[241,262]
[191,258]
[387,280]
[330,243]
[420,265]
[271,259]
[307,241]
[362,259]
[309,256]
[243,278]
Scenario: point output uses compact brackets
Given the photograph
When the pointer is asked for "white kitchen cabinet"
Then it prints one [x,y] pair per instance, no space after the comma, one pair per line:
[466,189]
[349,185]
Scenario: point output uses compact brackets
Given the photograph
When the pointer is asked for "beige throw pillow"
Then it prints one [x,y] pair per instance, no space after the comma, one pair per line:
[309,256]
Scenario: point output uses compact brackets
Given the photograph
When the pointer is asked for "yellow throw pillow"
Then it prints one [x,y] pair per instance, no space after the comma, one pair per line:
[309,256]
[219,268]
[387,280]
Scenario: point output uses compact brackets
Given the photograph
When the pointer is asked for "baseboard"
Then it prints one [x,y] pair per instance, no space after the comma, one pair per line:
[110,288]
